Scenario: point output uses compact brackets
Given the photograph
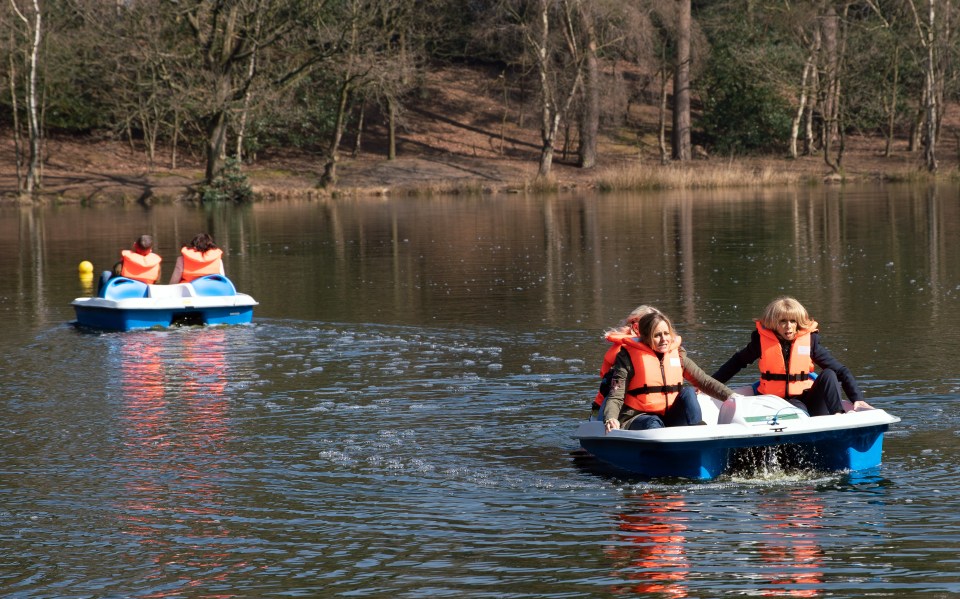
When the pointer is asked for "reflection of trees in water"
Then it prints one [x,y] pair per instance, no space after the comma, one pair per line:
[649,550]
[175,427]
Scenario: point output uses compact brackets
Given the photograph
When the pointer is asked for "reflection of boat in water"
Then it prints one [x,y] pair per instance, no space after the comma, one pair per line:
[792,559]
[175,430]
[124,304]
[652,554]
[850,441]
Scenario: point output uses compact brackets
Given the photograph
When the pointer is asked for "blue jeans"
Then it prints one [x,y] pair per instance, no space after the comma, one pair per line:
[685,411]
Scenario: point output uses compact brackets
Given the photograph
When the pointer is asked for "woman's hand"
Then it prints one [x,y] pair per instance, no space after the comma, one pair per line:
[611,424]
[859,406]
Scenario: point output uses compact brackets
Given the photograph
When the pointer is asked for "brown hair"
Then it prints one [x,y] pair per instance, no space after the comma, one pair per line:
[202,242]
[650,321]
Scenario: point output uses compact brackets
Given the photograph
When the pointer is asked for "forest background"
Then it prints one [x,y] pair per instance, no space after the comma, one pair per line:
[241,99]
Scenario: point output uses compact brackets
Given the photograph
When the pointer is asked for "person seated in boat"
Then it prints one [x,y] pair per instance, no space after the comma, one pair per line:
[615,336]
[197,259]
[787,343]
[138,263]
[647,390]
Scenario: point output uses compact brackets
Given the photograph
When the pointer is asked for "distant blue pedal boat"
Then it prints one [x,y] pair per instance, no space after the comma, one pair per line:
[125,305]
[851,441]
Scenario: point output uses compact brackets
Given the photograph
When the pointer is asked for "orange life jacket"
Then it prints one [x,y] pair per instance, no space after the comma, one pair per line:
[140,267]
[196,264]
[616,342]
[775,378]
[656,382]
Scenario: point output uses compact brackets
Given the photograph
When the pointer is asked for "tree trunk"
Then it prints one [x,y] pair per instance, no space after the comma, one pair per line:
[34,29]
[801,104]
[548,134]
[681,85]
[216,140]
[590,117]
[809,140]
[392,130]
[930,85]
[662,118]
[242,127]
[17,141]
[175,138]
[892,108]
[552,109]
[329,176]
[546,97]
[830,75]
[357,139]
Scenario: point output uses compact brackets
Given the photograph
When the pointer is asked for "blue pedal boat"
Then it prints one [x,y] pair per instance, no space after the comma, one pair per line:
[850,441]
[124,304]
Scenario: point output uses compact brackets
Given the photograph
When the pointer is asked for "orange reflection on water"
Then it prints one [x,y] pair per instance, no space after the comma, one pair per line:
[175,428]
[654,555]
[793,559]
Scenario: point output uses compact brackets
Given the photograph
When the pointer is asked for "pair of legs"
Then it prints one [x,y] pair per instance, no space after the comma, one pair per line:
[823,399]
[685,411]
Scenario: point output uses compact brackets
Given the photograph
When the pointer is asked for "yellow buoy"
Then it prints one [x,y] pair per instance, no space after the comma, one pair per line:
[86,267]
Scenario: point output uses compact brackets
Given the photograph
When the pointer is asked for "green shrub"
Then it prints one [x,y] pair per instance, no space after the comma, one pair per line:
[230,184]
[741,114]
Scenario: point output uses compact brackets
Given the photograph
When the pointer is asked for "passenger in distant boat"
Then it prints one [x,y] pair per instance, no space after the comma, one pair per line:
[199,258]
[139,264]
[787,343]
[646,389]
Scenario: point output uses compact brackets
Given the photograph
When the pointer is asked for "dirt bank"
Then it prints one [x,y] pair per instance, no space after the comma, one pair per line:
[466,140]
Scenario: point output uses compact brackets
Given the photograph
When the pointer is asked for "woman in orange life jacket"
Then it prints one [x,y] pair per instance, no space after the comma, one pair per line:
[139,264]
[199,258]
[787,343]
[647,389]
[615,337]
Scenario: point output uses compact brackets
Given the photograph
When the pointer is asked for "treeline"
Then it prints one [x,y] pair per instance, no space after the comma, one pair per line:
[226,78]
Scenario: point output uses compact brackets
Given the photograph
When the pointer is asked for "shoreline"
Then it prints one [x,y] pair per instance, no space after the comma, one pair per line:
[95,173]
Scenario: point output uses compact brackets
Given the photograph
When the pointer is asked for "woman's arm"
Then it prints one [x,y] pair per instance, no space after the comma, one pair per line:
[622,367]
[702,381]
[740,360]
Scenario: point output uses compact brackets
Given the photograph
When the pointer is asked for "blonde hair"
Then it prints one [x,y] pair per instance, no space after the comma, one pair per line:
[785,308]
[633,318]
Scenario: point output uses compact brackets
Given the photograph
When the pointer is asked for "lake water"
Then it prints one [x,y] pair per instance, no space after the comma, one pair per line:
[397,421]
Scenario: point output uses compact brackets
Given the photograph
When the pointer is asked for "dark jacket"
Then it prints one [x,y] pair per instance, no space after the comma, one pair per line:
[819,354]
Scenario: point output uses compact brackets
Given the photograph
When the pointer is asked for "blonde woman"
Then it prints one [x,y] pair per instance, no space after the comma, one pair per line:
[787,344]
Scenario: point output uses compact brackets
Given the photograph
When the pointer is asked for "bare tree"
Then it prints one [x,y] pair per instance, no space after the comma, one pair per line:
[831,57]
[558,57]
[32,20]
[926,22]
[226,37]
[373,61]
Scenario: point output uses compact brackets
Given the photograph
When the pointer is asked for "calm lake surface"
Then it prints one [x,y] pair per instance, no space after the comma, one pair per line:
[397,421]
